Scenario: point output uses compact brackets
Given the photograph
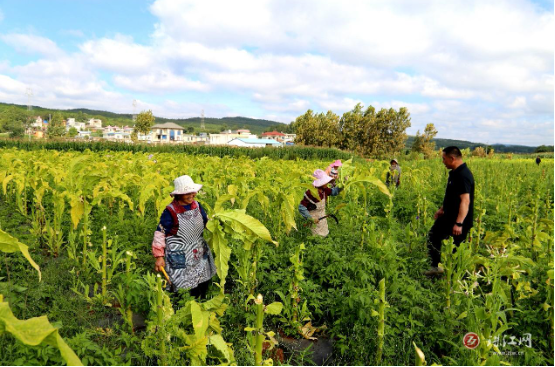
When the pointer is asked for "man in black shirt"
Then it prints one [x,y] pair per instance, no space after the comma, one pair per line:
[455,216]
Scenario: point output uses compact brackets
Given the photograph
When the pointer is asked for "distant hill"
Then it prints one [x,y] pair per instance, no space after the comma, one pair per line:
[213,125]
[463,144]
[256,126]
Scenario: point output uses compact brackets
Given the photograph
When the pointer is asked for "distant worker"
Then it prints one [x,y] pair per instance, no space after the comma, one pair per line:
[394,174]
[314,209]
[538,160]
[333,171]
[179,246]
[454,218]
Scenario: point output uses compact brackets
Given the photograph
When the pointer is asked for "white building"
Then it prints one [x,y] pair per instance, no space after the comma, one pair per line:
[70,122]
[254,143]
[168,132]
[119,135]
[37,124]
[84,134]
[226,136]
[289,138]
[95,123]
[194,139]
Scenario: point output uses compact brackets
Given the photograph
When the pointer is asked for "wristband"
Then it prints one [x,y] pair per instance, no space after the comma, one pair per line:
[459,224]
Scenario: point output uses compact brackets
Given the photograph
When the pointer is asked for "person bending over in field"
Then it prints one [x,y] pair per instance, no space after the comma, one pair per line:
[394,174]
[314,209]
[178,244]
[454,218]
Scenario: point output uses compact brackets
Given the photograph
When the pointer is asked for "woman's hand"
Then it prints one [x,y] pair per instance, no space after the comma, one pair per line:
[315,220]
[159,264]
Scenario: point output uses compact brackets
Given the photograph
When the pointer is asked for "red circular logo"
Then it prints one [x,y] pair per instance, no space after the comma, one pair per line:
[471,340]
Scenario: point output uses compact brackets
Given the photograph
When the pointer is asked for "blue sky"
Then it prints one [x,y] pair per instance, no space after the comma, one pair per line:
[480,70]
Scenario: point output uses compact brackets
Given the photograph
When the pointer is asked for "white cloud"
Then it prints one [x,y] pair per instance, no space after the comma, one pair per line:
[119,55]
[27,43]
[159,82]
[73,32]
[519,102]
[468,64]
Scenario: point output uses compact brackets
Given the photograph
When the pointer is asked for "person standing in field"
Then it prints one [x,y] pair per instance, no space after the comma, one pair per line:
[179,246]
[394,174]
[313,208]
[455,217]
[538,160]
[333,171]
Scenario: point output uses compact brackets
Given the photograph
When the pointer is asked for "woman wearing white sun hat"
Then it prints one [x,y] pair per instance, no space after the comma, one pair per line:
[178,244]
[314,208]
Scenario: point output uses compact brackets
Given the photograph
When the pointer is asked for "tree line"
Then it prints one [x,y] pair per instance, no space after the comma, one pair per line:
[364,131]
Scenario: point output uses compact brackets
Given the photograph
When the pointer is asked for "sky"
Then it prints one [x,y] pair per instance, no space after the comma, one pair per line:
[479,70]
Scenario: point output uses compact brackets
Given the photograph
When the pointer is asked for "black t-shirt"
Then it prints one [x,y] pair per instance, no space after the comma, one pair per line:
[460,182]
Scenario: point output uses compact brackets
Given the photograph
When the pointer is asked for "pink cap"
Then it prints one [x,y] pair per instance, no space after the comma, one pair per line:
[321,178]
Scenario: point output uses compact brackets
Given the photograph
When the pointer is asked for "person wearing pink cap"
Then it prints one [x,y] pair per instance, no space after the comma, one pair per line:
[179,246]
[313,208]
[333,171]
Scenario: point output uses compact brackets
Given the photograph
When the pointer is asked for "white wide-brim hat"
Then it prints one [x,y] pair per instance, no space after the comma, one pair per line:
[321,178]
[184,185]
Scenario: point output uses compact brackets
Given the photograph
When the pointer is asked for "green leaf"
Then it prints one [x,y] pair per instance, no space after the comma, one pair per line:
[221,200]
[273,308]
[250,223]
[11,244]
[77,209]
[219,343]
[200,320]
[462,315]
[35,331]
[371,180]
[218,243]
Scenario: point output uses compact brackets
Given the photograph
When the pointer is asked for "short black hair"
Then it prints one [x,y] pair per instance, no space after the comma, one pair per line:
[453,151]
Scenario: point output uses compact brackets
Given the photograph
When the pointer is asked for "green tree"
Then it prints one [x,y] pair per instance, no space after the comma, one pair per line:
[72,132]
[56,127]
[190,129]
[423,143]
[145,120]
[13,120]
[375,134]
[544,149]
[366,132]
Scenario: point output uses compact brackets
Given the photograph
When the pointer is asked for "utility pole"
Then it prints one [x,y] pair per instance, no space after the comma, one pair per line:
[29,93]
[202,127]
[134,110]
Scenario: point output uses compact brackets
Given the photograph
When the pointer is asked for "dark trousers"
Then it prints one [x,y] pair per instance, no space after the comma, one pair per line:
[198,292]
[442,230]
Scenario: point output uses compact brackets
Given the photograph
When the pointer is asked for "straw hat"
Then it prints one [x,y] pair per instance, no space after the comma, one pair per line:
[321,178]
[184,185]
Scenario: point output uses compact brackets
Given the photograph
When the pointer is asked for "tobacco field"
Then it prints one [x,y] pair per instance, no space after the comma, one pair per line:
[77,281]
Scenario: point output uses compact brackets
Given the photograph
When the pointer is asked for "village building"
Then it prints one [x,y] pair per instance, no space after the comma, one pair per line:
[278,136]
[168,132]
[274,135]
[94,124]
[70,122]
[254,143]
[226,136]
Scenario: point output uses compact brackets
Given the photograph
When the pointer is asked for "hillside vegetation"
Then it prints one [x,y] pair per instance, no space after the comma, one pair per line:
[256,126]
